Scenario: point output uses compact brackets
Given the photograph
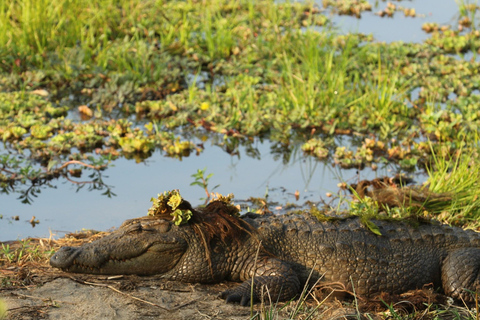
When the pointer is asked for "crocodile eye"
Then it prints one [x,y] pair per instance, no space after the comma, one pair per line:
[133,228]
[162,226]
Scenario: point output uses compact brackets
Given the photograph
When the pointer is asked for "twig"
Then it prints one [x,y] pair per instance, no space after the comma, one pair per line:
[78,182]
[66,164]
[253,278]
[49,175]
[8,171]
[25,307]
[39,298]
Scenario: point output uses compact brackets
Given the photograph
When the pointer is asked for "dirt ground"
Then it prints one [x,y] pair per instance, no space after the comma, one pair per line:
[73,296]
[87,297]
[56,295]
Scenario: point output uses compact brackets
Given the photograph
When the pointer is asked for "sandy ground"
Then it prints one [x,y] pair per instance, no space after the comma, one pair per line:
[57,295]
[90,297]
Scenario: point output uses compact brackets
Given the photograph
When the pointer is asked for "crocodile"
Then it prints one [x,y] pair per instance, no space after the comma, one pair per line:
[284,253]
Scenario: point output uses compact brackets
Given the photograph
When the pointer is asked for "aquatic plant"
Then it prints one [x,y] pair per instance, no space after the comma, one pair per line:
[126,80]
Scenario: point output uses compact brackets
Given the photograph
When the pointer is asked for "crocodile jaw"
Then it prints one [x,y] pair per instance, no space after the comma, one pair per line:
[109,256]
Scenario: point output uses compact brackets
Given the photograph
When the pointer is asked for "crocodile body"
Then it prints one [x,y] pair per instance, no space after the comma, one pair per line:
[282,252]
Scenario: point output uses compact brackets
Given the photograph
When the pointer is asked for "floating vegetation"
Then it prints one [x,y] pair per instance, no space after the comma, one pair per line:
[316,147]
[348,7]
[136,76]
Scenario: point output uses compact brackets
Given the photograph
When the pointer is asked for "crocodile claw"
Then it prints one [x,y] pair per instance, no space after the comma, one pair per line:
[233,295]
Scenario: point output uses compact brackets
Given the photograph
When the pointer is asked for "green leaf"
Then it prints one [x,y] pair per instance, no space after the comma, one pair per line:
[372,227]
[51,164]
[175,200]
[181,216]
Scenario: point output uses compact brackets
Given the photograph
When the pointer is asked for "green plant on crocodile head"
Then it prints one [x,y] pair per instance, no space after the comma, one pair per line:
[171,202]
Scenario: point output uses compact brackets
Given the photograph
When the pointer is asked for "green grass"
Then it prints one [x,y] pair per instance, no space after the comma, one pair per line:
[457,176]
[449,194]
[26,252]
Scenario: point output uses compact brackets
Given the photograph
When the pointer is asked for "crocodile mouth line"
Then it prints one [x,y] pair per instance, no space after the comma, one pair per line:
[114,261]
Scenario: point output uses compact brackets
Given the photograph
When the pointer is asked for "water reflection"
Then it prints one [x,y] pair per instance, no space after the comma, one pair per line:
[64,208]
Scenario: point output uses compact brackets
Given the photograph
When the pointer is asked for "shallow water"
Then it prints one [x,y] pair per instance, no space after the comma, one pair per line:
[399,28]
[62,209]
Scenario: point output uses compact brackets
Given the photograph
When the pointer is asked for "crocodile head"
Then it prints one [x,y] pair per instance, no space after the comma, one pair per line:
[140,246]
[191,252]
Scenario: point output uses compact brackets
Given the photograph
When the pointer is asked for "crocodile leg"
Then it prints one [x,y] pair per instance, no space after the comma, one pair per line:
[273,278]
[461,273]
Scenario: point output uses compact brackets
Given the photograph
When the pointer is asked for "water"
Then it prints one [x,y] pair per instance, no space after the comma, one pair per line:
[62,209]
[400,28]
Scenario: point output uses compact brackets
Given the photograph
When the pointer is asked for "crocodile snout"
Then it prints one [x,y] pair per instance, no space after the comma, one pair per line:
[64,257]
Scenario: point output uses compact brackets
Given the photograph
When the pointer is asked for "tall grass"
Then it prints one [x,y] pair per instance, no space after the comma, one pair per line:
[307,79]
[41,27]
[457,176]
[313,77]
[37,26]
